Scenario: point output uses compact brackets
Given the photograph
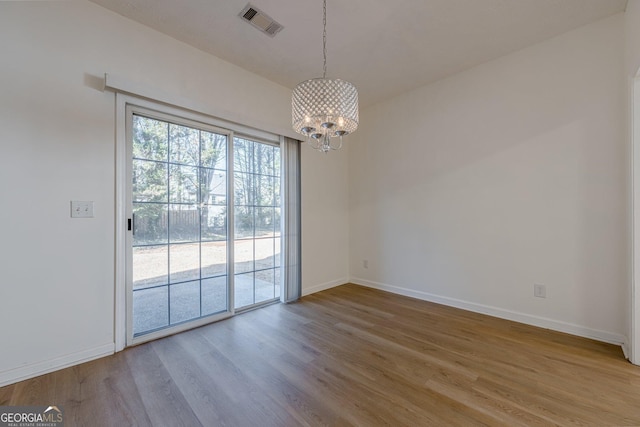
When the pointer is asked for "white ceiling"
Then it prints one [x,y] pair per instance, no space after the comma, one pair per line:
[383,47]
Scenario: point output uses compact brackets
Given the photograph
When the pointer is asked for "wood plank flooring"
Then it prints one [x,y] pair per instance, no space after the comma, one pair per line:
[349,356]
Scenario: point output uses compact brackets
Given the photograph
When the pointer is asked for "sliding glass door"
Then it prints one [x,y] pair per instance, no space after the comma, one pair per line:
[179,224]
[189,184]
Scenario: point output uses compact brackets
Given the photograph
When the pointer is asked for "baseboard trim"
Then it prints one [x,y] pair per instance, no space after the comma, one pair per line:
[324,286]
[625,349]
[15,375]
[542,322]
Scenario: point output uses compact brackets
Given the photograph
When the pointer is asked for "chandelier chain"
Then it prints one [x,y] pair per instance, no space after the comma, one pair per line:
[324,38]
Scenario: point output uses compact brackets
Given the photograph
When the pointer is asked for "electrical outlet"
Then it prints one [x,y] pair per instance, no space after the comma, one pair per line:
[539,291]
[365,263]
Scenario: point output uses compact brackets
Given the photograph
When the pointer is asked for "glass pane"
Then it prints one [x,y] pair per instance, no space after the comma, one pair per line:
[263,159]
[243,289]
[184,145]
[214,222]
[149,181]
[276,192]
[214,295]
[264,285]
[276,222]
[149,138]
[183,184]
[184,262]
[276,161]
[264,222]
[150,309]
[184,223]
[213,186]
[184,301]
[265,190]
[242,155]
[150,266]
[149,224]
[244,191]
[276,283]
[214,258]
[243,222]
[264,253]
[243,256]
[214,150]
[277,253]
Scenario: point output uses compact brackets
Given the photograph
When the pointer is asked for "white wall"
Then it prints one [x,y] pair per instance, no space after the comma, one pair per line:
[58,141]
[470,190]
[325,215]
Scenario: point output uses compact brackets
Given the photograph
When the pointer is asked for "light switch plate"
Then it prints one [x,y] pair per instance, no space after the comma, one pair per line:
[80,209]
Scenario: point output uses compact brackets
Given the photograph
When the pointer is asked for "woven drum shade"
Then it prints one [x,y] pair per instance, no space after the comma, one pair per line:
[318,102]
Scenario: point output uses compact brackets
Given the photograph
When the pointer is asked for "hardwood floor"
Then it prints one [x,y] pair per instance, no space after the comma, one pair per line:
[349,356]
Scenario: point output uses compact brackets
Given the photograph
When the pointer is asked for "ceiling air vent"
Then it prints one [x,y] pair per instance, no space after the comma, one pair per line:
[260,20]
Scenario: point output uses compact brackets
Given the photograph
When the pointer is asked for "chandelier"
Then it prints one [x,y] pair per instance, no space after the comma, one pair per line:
[323,109]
